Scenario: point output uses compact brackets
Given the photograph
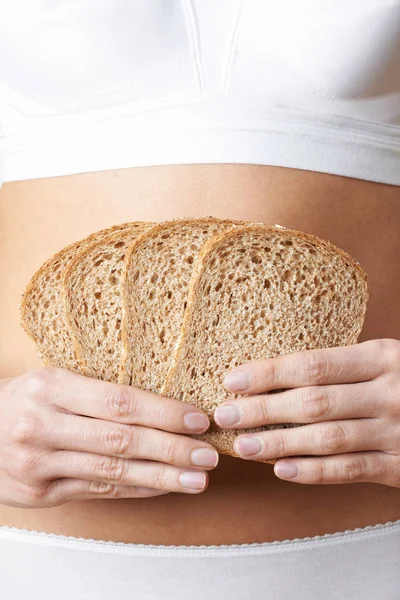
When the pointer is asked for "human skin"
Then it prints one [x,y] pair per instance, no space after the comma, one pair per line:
[350,399]
[67,437]
[245,501]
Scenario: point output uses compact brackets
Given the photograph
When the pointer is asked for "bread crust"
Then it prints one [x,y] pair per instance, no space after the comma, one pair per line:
[48,352]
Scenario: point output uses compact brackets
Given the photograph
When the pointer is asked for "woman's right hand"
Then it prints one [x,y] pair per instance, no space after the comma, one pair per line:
[67,437]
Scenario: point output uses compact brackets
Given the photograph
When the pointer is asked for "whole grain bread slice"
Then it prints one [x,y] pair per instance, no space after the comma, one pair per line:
[156,278]
[93,301]
[42,309]
[260,292]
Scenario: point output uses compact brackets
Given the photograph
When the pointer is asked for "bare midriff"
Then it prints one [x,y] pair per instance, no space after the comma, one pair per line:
[245,502]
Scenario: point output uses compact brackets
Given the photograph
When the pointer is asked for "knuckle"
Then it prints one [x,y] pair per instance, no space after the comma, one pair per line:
[315,367]
[171,453]
[280,445]
[119,441]
[102,489]
[27,464]
[28,428]
[36,492]
[352,469]
[110,468]
[121,403]
[261,409]
[271,373]
[333,438]
[318,474]
[36,383]
[314,402]
[162,414]
[159,477]
[390,349]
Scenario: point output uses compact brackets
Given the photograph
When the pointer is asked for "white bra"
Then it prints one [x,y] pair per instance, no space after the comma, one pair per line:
[88,85]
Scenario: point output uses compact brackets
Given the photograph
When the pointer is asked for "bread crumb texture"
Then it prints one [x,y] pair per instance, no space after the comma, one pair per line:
[173,307]
[260,293]
[93,302]
[157,276]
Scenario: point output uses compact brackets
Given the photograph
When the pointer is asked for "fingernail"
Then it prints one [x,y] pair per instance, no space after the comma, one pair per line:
[229,414]
[248,445]
[204,457]
[238,381]
[287,470]
[192,480]
[196,421]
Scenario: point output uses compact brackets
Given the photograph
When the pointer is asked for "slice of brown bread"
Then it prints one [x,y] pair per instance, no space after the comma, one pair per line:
[156,277]
[42,309]
[260,292]
[93,303]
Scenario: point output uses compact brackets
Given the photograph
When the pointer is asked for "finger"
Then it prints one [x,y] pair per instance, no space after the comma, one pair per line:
[121,403]
[334,437]
[70,432]
[373,467]
[67,490]
[348,364]
[310,404]
[121,472]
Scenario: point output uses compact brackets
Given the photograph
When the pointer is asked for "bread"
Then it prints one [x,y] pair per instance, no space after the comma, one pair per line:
[93,304]
[42,310]
[259,292]
[197,297]
[156,277]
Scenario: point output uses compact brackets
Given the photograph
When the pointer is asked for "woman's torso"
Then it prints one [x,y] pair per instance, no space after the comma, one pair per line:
[245,501]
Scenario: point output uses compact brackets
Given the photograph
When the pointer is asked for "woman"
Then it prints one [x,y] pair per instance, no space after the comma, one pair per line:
[113,112]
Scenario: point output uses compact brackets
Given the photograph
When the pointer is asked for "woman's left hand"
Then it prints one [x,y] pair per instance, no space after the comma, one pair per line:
[349,400]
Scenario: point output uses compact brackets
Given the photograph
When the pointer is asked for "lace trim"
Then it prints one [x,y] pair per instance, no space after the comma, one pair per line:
[252,546]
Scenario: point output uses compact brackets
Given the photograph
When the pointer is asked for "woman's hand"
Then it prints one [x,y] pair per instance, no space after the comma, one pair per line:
[350,399]
[67,437]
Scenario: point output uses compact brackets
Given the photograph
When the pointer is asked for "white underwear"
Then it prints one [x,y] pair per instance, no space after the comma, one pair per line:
[110,84]
[363,563]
